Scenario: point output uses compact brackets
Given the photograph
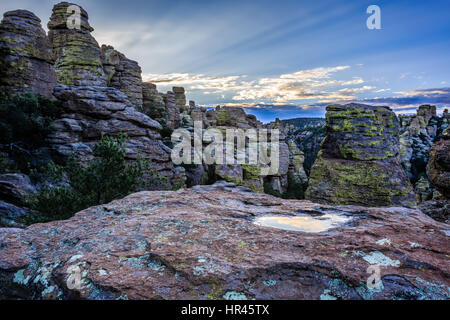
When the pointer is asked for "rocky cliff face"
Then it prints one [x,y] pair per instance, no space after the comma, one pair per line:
[26,57]
[212,243]
[358,162]
[417,135]
[308,134]
[438,168]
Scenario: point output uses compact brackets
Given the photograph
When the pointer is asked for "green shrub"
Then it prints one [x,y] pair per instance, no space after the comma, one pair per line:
[105,178]
[26,119]
[25,122]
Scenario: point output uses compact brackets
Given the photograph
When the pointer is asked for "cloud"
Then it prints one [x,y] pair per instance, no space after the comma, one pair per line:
[208,84]
[308,84]
[438,96]
[302,85]
[407,102]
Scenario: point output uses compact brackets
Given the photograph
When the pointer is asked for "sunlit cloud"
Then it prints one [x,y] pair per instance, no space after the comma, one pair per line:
[301,85]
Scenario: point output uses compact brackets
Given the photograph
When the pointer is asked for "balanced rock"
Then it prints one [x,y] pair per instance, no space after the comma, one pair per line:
[180,97]
[358,162]
[212,242]
[123,74]
[78,56]
[26,57]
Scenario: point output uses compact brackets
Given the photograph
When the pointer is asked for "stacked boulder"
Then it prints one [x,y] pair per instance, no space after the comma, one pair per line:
[180,97]
[153,103]
[76,51]
[26,55]
[123,74]
[172,110]
[358,161]
[98,103]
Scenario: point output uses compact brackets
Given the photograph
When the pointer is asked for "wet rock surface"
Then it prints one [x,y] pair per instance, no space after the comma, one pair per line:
[358,162]
[202,243]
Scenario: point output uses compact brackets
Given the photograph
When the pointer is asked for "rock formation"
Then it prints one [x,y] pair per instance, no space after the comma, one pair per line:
[78,57]
[416,138]
[438,168]
[172,110]
[26,58]
[93,111]
[358,162]
[123,74]
[153,103]
[307,133]
[417,135]
[14,188]
[203,243]
[297,173]
[180,97]
[101,91]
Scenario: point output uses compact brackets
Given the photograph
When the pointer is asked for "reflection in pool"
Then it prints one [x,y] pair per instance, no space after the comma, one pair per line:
[303,223]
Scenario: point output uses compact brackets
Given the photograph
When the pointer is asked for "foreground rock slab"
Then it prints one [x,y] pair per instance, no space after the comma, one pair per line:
[202,243]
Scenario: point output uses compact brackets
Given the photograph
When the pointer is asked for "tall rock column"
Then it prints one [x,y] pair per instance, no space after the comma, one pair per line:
[123,74]
[358,161]
[153,102]
[26,58]
[77,53]
[173,111]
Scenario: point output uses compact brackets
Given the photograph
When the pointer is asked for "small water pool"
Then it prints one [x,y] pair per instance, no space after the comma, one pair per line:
[304,223]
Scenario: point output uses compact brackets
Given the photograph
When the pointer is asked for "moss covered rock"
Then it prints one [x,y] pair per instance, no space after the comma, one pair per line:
[358,162]
[123,74]
[26,58]
[77,53]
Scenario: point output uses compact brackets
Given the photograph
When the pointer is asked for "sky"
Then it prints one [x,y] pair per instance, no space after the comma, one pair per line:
[280,59]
